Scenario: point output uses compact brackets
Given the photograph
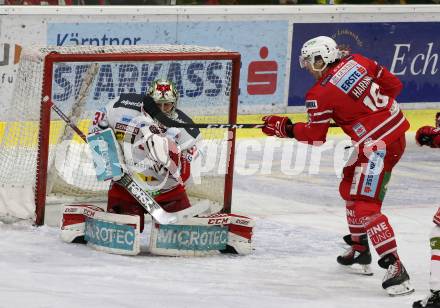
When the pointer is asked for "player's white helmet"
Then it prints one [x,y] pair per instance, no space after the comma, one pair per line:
[322,46]
[164,92]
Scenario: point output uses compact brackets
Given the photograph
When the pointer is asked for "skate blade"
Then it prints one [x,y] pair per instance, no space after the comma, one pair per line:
[358,269]
[402,289]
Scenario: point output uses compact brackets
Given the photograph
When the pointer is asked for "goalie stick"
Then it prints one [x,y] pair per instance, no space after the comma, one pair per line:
[145,199]
[154,111]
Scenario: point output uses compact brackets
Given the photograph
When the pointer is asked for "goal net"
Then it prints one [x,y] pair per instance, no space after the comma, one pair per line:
[43,162]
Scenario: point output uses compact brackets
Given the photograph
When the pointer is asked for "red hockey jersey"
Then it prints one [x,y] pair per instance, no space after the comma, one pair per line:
[359,95]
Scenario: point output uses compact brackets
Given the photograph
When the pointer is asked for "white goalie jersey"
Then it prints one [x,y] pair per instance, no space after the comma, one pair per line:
[125,117]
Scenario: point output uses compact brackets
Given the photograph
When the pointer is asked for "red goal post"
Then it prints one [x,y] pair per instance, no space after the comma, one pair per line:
[81,79]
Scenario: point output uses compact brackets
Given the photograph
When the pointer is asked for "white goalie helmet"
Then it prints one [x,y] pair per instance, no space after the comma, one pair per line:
[321,46]
[164,92]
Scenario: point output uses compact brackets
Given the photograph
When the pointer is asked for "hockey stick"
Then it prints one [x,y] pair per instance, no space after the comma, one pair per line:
[154,111]
[144,199]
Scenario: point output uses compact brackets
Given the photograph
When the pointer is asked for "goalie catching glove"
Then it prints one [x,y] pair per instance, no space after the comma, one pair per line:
[278,126]
[164,151]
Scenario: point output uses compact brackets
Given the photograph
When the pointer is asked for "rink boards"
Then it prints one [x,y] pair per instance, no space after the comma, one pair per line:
[26,133]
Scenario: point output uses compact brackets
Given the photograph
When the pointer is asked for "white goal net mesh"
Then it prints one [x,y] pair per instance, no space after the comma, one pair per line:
[79,88]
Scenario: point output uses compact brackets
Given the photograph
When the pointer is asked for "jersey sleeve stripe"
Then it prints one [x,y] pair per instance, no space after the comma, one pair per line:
[370,133]
[392,129]
[322,112]
[322,121]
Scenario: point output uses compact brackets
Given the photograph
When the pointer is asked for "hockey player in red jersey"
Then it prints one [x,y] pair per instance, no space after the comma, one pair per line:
[359,95]
[429,135]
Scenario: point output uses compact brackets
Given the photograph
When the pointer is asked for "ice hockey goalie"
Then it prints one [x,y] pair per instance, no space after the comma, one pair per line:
[159,158]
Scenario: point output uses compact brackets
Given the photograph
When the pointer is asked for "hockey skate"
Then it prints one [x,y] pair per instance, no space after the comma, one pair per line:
[396,280]
[431,301]
[357,258]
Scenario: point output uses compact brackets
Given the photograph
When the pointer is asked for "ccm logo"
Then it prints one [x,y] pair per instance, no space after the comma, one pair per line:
[218,221]
[89,213]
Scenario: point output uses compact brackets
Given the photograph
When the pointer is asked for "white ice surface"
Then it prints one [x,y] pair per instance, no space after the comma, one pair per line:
[300,222]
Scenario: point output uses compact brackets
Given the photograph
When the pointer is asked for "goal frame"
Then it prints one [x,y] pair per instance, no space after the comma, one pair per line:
[46,100]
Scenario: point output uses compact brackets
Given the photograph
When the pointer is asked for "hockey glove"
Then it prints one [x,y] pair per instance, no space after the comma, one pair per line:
[278,126]
[428,135]
[159,148]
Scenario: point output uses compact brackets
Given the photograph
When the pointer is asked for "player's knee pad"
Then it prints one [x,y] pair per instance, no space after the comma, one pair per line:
[201,236]
[73,222]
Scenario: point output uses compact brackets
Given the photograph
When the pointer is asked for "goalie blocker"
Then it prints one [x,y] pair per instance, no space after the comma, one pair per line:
[119,234]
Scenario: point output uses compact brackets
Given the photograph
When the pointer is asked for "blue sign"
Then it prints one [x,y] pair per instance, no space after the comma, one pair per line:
[410,50]
[263,56]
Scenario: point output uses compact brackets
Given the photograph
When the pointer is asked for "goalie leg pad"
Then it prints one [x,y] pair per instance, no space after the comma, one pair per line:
[73,222]
[113,233]
[197,236]
[240,234]
[202,236]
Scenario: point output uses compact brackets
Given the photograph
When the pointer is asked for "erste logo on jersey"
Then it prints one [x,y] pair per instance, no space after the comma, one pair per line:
[348,76]
[341,71]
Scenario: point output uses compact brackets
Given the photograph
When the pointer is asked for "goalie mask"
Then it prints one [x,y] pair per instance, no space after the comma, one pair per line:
[321,47]
[165,94]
